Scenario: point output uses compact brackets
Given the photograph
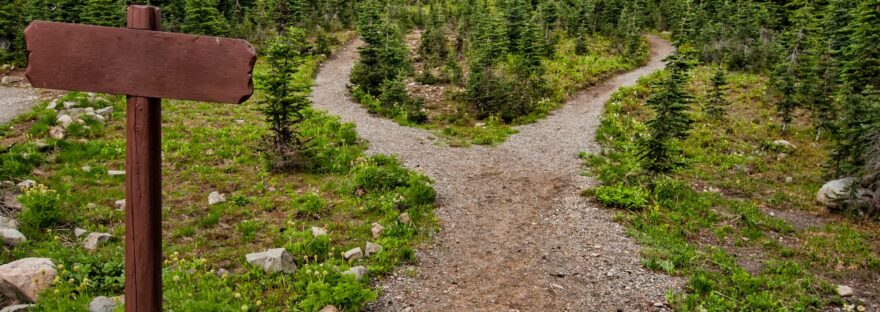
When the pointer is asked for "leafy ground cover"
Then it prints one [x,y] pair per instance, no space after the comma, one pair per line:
[211,147]
[565,73]
[739,222]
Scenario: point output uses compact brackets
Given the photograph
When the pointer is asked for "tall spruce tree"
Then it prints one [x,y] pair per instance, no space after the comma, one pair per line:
[203,18]
[384,56]
[717,104]
[671,102]
[795,79]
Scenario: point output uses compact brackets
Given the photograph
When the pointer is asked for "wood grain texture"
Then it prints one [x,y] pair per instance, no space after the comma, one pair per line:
[139,62]
[143,189]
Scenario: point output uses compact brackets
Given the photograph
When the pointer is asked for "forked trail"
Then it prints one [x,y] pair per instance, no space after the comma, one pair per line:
[515,234]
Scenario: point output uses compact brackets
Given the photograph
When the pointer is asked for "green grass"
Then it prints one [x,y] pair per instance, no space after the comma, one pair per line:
[715,221]
[213,147]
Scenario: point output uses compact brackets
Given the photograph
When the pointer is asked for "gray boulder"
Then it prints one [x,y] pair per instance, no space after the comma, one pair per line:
[79,232]
[377,230]
[832,193]
[216,198]
[353,254]
[785,144]
[29,276]
[359,272]
[57,133]
[8,223]
[104,304]
[95,240]
[372,248]
[18,308]
[12,237]
[273,260]
[317,231]
[26,184]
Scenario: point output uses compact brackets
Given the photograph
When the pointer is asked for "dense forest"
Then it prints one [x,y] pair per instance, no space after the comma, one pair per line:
[472,72]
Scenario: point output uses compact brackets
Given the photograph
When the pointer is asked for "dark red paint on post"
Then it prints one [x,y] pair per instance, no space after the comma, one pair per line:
[143,188]
[146,65]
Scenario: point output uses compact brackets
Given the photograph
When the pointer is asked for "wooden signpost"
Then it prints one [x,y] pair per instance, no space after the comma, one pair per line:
[146,65]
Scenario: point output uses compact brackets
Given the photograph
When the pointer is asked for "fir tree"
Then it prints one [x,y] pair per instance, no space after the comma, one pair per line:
[795,78]
[434,47]
[203,18]
[862,68]
[716,106]
[854,131]
[671,122]
[103,13]
[284,102]
[384,56]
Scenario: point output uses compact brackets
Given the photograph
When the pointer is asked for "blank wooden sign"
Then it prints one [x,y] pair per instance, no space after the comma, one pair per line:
[139,62]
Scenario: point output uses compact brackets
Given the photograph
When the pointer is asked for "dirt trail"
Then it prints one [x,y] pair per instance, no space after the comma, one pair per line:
[515,236]
[14,101]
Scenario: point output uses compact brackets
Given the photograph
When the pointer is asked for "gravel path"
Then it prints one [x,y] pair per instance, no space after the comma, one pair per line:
[515,235]
[14,101]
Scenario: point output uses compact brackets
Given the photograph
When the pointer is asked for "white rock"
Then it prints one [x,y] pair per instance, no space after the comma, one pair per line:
[317,231]
[30,276]
[52,105]
[844,291]
[12,237]
[26,184]
[404,218]
[353,254]
[359,272]
[86,168]
[69,104]
[372,248]
[95,240]
[79,232]
[785,144]
[789,179]
[18,308]
[114,173]
[216,198]
[329,308]
[8,223]
[119,204]
[831,192]
[57,133]
[8,80]
[64,121]
[103,304]
[273,260]
[106,112]
[715,190]
[377,230]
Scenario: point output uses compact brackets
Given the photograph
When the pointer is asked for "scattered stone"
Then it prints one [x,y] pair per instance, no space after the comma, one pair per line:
[114,173]
[12,237]
[785,144]
[404,218]
[715,190]
[239,121]
[8,223]
[64,121]
[789,179]
[222,272]
[329,308]
[57,133]
[8,80]
[52,105]
[29,276]
[377,230]
[26,184]
[103,304]
[317,231]
[359,272]
[79,232]
[372,248]
[95,240]
[353,254]
[273,260]
[844,291]
[86,168]
[119,204]
[18,308]
[216,198]
[781,156]
[105,112]
[69,104]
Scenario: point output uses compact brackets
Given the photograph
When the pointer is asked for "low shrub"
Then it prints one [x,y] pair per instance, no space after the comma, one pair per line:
[42,208]
[619,196]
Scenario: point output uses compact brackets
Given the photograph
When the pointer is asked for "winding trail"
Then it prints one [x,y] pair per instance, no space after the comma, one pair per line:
[14,101]
[515,234]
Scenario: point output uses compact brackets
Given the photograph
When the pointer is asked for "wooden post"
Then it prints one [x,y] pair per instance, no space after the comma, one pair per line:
[143,189]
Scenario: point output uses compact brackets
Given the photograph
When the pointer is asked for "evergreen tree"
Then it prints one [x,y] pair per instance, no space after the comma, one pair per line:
[203,18]
[384,56]
[855,129]
[284,102]
[517,17]
[531,46]
[434,48]
[795,78]
[104,13]
[715,107]
[862,68]
[671,122]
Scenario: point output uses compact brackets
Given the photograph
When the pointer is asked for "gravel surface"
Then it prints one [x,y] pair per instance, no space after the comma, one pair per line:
[14,101]
[515,234]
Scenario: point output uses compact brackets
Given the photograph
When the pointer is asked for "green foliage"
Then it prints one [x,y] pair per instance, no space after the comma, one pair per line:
[104,13]
[42,209]
[717,103]
[619,196]
[284,102]
[383,57]
[855,133]
[309,204]
[203,18]
[671,121]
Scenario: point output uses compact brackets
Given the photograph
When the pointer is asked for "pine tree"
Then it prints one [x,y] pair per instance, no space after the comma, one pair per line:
[11,24]
[203,18]
[671,102]
[795,79]
[854,131]
[103,13]
[384,56]
[531,46]
[715,107]
[284,102]
[863,54]
[434,48]
[517,16]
